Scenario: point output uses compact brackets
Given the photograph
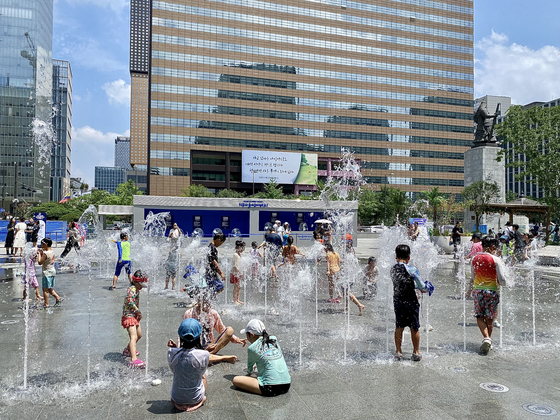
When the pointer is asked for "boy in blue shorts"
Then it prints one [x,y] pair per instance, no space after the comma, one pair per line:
[406,280]
[124,260]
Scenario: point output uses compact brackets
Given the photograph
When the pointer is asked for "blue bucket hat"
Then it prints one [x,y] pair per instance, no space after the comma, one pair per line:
[190,329]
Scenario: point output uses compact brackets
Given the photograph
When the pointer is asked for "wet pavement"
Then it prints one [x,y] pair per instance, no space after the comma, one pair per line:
[83,338]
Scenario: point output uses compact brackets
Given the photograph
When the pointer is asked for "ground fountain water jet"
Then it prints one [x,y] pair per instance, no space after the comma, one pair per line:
[149,258]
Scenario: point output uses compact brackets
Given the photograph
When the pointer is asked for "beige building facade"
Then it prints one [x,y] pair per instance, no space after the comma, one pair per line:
[391,80]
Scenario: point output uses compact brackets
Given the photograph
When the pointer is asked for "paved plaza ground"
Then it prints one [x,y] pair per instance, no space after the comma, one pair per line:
[84,337]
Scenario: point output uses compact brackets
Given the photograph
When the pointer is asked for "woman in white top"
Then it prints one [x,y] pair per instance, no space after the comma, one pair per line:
[19,240]
[188,364]
[175,233]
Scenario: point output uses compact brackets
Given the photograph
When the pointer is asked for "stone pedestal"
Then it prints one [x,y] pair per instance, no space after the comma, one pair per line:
[481,165]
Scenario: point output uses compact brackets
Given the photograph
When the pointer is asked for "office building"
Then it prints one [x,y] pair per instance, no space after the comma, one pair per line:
[62,127]
[108,178]
[122,152]
[390,80]
[25,96]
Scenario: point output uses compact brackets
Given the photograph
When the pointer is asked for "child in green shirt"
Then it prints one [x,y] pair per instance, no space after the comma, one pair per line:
[265,352]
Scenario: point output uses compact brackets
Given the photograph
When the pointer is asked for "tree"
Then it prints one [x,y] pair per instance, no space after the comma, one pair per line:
[125,192]
[449,210]
[435,201]
[384,197]
[533,139]
[230,194]
[511,196]
[478,195]
[196,190]
[400,203]
[368,207]
[271,190]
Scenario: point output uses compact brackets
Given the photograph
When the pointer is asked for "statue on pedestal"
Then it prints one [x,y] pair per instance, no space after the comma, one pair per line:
[485,123]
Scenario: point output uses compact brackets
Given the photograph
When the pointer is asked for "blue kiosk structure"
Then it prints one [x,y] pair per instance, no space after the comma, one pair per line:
[248,215]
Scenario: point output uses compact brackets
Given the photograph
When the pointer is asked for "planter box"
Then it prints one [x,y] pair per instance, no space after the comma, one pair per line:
[443,243]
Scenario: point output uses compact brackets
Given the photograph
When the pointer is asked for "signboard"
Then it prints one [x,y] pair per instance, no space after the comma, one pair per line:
[421,222]
[197,222]
[225,222]
[168,220]
[39,216]
[481,228]
[285,168]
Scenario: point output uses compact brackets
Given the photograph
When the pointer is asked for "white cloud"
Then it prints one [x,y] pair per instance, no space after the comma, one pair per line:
[90,135]
[118,92]
[90,55]
[91,148]
[515,70]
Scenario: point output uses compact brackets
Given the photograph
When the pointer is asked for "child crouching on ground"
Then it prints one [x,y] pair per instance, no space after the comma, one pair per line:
[405,280]
[188,362]
[131,317]
[264,351]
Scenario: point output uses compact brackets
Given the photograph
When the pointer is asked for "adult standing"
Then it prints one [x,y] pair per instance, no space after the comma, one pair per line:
[273,247]
[73,240]
[175,233]
[508,231]
[279,228]
[9,244]
[19,239]
[29,230]
[456,237]
[35,232]
[520,245]
[286,234]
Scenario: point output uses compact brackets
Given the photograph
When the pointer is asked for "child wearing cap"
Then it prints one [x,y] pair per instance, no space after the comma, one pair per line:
[265,352]
[124,260]
[188,362]
[476,239]
[131,317]
[406,280]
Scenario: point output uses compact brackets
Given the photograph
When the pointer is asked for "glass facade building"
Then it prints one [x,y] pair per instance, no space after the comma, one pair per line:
[391,81]
[122,152]
[62,126]
[26,28]
[108,178]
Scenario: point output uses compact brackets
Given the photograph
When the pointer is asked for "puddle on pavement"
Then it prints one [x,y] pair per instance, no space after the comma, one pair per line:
[7,274]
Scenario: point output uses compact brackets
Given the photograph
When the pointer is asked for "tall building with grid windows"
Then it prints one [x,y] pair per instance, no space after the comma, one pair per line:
[61,153]
[108,178]
[122,152]
[391,80]
[26,29]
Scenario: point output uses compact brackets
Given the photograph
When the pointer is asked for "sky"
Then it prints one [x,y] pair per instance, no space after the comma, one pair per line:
[517,54]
